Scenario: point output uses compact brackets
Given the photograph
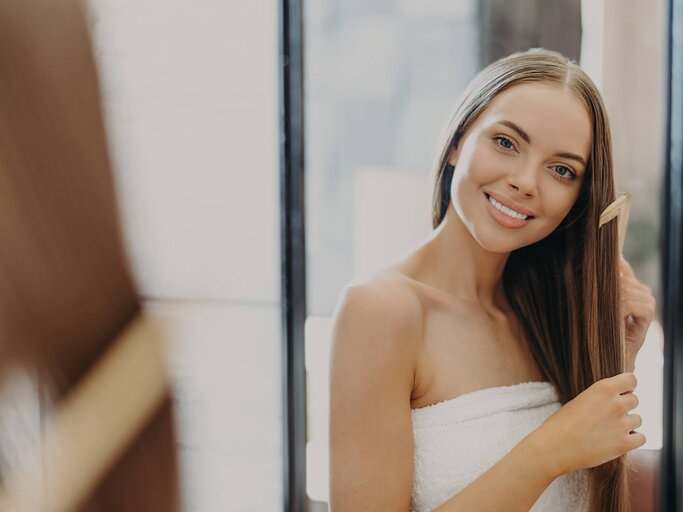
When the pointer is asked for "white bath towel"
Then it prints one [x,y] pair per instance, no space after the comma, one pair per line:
[459,439]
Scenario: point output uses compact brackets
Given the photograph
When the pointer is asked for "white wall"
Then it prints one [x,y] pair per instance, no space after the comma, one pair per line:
[190,93]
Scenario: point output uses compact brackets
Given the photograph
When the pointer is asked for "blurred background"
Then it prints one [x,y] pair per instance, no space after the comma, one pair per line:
[190,92]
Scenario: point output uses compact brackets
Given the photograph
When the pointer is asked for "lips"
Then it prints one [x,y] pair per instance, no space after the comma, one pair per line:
[511,204]
[503,219]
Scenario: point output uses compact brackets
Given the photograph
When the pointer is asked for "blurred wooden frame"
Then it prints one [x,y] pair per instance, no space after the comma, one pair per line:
[94,425]
[643,478]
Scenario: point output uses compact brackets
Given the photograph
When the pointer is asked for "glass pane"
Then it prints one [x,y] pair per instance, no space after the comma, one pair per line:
[381,79]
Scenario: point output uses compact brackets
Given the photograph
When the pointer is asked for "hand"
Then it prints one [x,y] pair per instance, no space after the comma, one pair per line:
[593,428]
[637,310]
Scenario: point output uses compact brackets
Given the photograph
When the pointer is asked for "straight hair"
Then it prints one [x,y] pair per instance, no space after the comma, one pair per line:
[564,289]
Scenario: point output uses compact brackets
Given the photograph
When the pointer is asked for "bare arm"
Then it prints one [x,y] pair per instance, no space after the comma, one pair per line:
[371,379]
[523,474]
[515,482]
[371,438]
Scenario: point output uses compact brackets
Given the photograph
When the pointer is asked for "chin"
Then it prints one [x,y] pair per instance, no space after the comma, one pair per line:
[500,244]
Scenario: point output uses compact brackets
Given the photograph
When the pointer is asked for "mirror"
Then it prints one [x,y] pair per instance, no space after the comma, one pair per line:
[380,81]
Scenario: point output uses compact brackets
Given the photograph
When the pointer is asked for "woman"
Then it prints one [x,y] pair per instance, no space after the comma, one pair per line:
[485,370]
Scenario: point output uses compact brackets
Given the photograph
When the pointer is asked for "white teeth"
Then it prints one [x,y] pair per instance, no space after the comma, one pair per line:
[507,211]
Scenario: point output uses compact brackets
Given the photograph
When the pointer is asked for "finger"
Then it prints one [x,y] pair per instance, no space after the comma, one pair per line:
[639,299]
[639,302]
[637,295]
[638,309]
[636,440]
[631,283]
[630,400]
[624,382]
[641,305]
[633,421]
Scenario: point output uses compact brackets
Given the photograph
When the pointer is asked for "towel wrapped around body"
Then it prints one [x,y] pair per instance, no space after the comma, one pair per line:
[457,440]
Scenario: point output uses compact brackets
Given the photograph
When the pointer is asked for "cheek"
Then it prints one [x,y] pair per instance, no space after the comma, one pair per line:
[555,208]
[475,169]
[482,167]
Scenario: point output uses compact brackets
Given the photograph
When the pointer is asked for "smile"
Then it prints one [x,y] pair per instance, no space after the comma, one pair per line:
[505,216]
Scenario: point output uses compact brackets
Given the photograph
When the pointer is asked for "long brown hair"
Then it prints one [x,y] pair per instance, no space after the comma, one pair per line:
[564,289]
[66,291]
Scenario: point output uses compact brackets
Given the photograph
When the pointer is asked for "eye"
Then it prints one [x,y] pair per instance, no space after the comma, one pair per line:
[564,172]
[504,142]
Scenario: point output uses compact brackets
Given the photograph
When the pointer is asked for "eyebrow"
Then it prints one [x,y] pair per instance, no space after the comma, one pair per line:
[527,139]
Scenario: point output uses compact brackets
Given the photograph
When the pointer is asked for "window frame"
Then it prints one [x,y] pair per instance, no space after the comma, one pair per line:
[293,253]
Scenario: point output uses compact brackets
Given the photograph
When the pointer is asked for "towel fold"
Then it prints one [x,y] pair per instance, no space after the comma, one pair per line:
[457,440]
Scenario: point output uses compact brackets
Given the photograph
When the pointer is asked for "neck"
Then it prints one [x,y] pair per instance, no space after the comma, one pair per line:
[454,262]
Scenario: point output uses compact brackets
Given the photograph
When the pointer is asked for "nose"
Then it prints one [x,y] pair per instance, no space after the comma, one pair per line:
[524,179]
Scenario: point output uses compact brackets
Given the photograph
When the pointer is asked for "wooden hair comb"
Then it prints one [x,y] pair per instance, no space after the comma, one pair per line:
[619,208]
[95,425]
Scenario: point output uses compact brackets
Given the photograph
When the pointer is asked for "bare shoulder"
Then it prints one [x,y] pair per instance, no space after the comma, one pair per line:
[376,325]
[381,305]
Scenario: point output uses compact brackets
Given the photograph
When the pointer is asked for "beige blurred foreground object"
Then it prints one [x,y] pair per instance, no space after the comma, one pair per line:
[619,208]
[94,425]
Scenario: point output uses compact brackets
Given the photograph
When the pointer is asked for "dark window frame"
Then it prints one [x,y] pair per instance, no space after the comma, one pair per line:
[293,253]
[671,243]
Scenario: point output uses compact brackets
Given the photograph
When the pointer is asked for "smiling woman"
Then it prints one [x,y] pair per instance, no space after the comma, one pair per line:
[536,136]
[487,365]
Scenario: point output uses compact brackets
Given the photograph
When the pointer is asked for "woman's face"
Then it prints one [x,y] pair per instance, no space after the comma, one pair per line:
[527,150]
